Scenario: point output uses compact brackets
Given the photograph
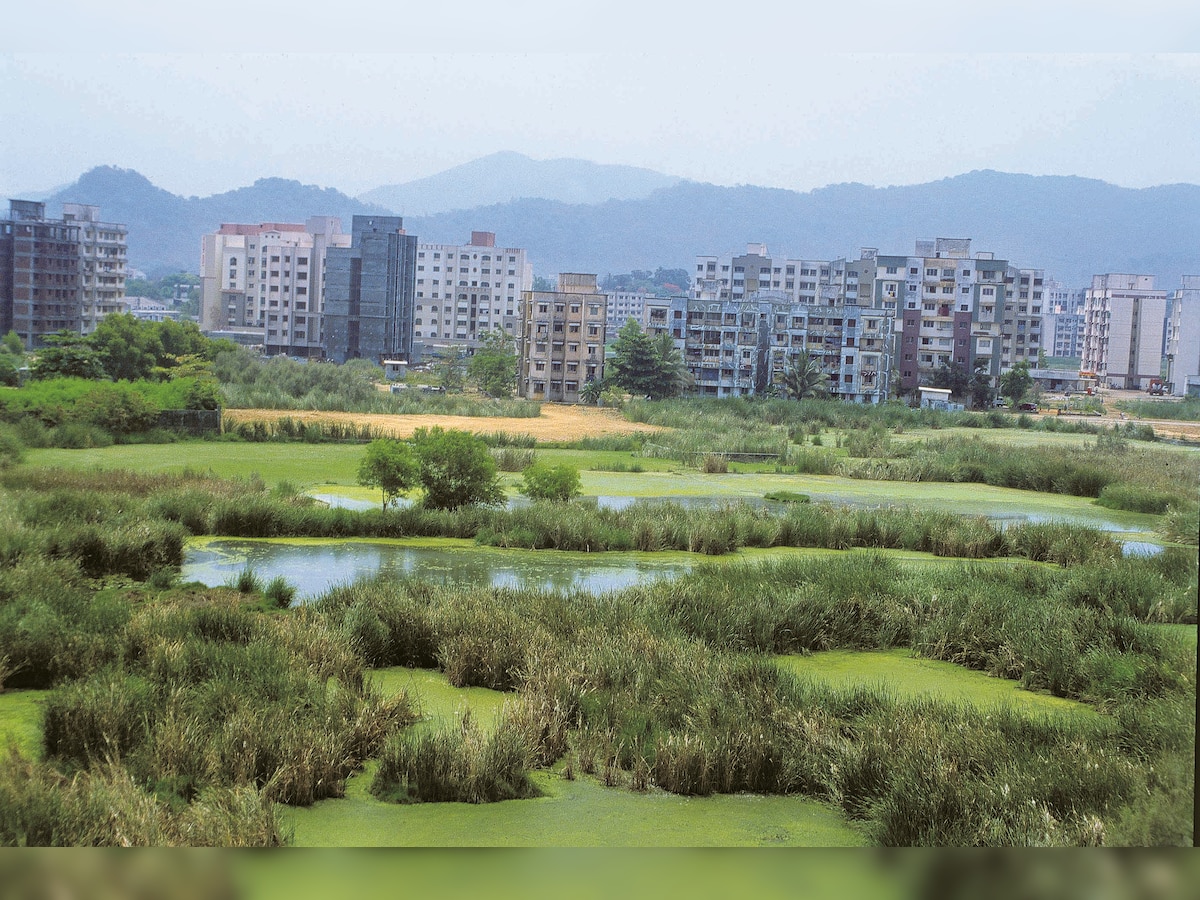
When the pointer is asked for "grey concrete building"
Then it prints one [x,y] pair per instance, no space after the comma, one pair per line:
[40,273]
[742,347]
[1183,339]
[370,288]
[562,344]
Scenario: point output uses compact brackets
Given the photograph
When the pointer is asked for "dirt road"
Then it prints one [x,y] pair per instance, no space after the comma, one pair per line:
[556,423]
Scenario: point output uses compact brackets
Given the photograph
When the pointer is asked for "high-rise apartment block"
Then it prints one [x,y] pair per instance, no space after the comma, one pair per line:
[58,274]
[1183,339]
[464,291]
[102,249]
[741,347]
[740,277]
[562,344]
[1124,325]
[625,305]
[951,310]
[264,284]
[1063,320]
[370,292]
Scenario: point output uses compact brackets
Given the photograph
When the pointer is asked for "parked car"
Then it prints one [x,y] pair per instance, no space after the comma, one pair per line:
[1028,407]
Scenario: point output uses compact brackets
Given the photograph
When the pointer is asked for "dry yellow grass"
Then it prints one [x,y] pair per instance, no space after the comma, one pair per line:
[556,423]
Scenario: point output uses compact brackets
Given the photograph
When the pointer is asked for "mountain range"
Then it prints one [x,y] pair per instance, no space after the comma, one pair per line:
[1071,227]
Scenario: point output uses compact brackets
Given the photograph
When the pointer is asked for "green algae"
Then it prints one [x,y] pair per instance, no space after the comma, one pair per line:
[578,812]
[904,675]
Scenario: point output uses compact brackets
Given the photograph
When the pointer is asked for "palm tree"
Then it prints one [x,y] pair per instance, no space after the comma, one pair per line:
[591,391]
[803,377]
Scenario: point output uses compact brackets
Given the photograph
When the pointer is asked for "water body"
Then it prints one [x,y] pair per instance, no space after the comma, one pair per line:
[316,565]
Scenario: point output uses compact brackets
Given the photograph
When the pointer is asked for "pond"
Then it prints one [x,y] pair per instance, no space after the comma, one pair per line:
[315,565]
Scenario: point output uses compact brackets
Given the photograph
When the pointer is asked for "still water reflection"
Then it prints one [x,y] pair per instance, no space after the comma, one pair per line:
[314,566]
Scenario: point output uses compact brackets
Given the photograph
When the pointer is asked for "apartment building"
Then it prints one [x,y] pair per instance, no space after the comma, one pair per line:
[621,306]
[464,291]
[1022,335]
[1183,339]
[264,284]
[740,277]
[1124,328]
[370,292]
[102,259]
[562,343]
[741,347]
[41,261]
[1063,320]
[950,310]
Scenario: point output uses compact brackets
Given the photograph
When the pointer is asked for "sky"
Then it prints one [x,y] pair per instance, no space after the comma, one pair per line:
[210,98]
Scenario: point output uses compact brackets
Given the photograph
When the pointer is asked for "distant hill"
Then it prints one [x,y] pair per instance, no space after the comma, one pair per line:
[165,229]
[506,176]
[1071,227]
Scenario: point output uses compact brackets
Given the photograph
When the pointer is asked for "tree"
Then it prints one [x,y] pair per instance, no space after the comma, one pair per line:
[389,465]
[542,283]
[456,469]
[803,378]
[448,369]
[66,355]
[493,368]
[1016,382]
[645,366]
[9,375]
[982,392]
[591,391]
[542,481]
[128,348]
[13,344]
[954,377]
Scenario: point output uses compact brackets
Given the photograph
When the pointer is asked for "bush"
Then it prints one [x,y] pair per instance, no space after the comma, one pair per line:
[543,481]
[456,469]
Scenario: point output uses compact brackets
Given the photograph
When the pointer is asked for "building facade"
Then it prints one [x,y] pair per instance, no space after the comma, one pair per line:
[264,284]
[562,344]
[39,273]
[370,292]
[464,291]
[1183,339]
[950,310]
[1124,328]
[743,347]
[1063,321]
[102,260]
[58,274]
[740,277]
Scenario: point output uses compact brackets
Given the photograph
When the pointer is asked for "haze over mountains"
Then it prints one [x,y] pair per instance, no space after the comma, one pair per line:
[594,218]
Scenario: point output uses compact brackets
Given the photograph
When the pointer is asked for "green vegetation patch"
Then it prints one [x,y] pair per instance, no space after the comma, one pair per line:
[21,721]
[579,813]
[901,673]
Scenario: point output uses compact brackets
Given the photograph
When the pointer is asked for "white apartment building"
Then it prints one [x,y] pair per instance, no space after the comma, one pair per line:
[1183,339]
[466,290]
[1124,320]
[799,281]
[626,305]
[1063,320]
[264,284]
[102,264]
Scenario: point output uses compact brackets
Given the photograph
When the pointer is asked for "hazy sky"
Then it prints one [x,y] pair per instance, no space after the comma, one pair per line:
[330,94]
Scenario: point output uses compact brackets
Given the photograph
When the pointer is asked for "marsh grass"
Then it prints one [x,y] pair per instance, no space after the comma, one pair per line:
[456,764]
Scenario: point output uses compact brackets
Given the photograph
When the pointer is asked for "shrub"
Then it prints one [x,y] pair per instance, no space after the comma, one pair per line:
[546,482]
[714,464]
